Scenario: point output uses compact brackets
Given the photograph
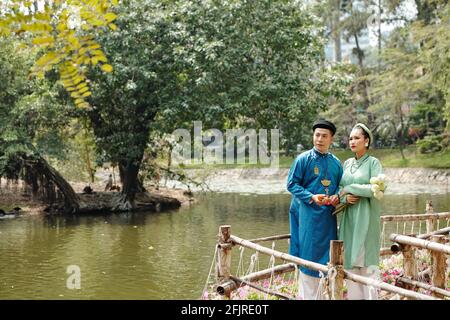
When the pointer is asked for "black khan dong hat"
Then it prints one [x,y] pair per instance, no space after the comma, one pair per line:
[325,124]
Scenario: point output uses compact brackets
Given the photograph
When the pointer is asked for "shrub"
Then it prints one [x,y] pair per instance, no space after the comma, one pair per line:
[430,144]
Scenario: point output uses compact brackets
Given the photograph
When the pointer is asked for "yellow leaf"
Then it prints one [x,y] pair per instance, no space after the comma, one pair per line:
[74,41]
[82,50]
[83,90]
[94,61]
[86,27]
[81,85]
[112,26]
[94,46]
[77,80]
[68,74]
[97,52]
[107,67]
[101,58]
[43,40]
[67,83]
[115,2]
[42,16]
[40,74]
[61,27]
[79,101]
[79,60]
[83,105]
[95,22]
[75,95]
[86,94]
[110,17]
[86,15]
[49,59]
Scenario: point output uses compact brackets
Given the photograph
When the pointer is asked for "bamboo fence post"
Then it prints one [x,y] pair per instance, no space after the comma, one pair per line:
[337,261]
[224,252]
[431,222]
[409,263]
[438,265]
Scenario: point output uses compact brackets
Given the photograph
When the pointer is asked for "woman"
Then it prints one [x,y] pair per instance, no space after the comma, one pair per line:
[359,227]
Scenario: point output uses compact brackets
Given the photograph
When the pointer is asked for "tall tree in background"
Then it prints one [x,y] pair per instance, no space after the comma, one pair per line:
[415,71]
[228,64]
[253,64]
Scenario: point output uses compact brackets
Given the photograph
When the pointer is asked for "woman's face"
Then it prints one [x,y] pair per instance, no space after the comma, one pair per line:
[357,141]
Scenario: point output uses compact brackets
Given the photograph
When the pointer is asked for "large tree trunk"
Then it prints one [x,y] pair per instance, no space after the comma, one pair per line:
[129,176]
[400,135]
[363,84]
[336,34]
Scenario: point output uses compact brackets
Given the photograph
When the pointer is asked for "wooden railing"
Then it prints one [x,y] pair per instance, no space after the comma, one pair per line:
[228,282]
[431,219]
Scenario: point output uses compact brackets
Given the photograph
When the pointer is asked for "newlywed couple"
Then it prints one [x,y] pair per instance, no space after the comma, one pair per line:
[318,183]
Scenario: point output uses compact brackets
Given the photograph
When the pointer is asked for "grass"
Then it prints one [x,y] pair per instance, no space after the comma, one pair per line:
[390,158]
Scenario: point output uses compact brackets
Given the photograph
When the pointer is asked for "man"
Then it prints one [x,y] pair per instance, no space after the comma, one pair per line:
[313,182]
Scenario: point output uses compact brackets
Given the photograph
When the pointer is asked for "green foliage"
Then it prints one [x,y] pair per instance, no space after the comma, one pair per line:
[78,162]
[225,63]
[62,30]
[416,61]
[244,69]
[430,144]
[31,114]
[434,40]
[427,119]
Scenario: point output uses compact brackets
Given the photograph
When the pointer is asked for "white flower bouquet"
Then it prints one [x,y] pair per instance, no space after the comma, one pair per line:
[378,186]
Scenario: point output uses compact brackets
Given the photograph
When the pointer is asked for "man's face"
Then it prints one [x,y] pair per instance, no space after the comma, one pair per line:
[322,139]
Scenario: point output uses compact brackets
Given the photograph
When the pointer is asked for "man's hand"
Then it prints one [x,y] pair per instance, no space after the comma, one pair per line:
[352,199]
[318,199]
[334,200]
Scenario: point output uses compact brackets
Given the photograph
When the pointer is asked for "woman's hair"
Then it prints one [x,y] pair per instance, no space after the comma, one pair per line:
[365,134]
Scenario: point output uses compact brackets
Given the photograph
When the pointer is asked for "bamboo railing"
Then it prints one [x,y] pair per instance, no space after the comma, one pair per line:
[429,217]
[228,283]
[433,240]
[438,249]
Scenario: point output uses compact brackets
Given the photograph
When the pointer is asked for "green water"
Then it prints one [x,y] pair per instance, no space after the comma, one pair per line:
[145,255]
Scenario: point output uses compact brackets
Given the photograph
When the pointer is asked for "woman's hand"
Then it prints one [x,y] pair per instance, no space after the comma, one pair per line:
[334,200]
[351,199]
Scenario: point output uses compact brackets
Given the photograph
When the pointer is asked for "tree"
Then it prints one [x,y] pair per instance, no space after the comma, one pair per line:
[415,60]
[228,64]
[30,116]
[252,64]
[330,13]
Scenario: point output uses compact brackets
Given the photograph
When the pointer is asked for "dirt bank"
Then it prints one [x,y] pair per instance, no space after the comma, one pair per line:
[100,201]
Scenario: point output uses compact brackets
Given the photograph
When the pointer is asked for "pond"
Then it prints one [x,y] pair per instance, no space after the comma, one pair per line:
[149,255]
